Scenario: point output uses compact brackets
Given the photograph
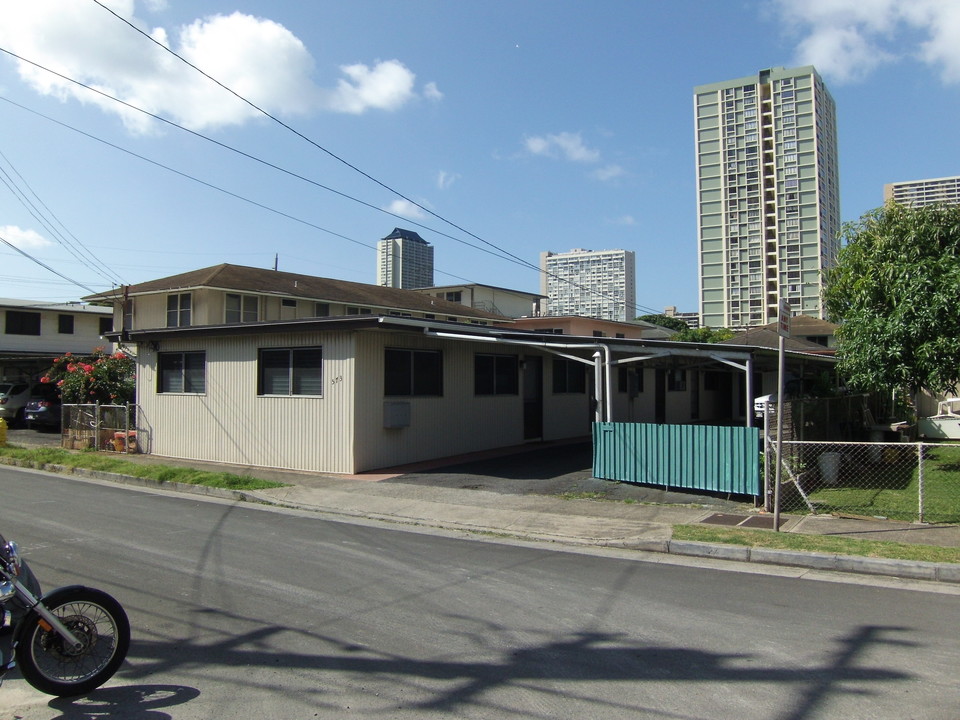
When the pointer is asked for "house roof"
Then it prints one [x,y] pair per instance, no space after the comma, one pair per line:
[808,326]
[766,336]
[55,307]
[294,285]
[401,234]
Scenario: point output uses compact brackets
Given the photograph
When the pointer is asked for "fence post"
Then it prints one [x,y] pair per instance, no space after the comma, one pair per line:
[920,481]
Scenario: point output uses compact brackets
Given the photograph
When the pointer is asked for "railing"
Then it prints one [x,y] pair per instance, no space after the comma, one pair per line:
[109,428]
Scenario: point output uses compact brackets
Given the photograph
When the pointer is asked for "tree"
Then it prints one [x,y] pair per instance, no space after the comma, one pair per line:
[895,293]
[99,378]
[665,321]
[703,335]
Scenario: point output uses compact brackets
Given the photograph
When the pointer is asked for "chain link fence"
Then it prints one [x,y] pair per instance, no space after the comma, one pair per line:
[915,482]
[110,428]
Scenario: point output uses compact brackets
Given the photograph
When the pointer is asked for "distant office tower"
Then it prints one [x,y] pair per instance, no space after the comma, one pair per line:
[404,260]
[924,192]
[768,195]
[597,284]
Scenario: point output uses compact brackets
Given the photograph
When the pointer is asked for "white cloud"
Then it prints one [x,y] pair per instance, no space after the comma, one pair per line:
[386,86]
[432,92]
[608,172]
[566,144]
[445,179]
[848,39]
[23,239]
[258,58]
[624,221]
[406,209]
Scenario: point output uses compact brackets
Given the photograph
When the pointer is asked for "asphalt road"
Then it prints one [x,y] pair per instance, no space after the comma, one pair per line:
[246,611]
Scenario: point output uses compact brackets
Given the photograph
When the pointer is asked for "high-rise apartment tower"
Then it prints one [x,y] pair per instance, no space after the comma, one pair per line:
[924,192]
[588,283]
[404,260]
[768,195]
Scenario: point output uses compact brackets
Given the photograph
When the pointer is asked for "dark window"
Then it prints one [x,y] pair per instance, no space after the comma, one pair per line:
[455,296]
[676,380]
[321,309]
[359,311]
[291,371]
[65,324]
[496,375]
[128,314]
[178,310]
[241,308]
[106,325]
[569,376]
[22,323]
[412,372]
[630,380]
[182,372]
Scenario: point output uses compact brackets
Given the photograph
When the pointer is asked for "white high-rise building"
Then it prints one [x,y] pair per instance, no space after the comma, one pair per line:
[768,195]
[404,260]
[917,193]
[588,283]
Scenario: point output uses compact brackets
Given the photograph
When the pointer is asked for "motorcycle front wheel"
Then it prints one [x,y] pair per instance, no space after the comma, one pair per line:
[99,623]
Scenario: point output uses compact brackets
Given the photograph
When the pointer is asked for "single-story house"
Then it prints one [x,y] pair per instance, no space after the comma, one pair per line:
[259,367]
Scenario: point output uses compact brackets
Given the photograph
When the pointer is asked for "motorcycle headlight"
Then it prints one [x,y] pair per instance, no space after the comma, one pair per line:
[11,553]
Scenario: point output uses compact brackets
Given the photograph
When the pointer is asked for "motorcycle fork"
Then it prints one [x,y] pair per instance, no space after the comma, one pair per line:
[48,621]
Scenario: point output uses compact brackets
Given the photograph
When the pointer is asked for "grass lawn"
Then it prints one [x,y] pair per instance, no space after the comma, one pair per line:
[816,543]
[37,457]
[890,488]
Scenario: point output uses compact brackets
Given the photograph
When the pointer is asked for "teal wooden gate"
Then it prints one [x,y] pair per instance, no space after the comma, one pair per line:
[692,457]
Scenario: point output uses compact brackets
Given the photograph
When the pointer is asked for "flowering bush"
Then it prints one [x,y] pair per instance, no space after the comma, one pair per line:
[99,378]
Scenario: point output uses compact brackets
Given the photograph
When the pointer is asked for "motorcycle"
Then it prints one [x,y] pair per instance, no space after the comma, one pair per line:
[67,642]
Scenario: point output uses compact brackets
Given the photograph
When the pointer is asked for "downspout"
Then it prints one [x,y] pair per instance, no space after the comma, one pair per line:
[749,385]
[608,364]
[598,386]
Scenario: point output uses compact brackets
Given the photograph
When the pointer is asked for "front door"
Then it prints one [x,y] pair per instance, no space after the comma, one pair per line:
[532,398]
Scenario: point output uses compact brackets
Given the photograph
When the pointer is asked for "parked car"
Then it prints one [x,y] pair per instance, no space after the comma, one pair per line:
[43,409]
[13,399]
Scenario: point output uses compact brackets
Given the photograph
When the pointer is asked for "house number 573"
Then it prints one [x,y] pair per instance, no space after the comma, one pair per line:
[336,380]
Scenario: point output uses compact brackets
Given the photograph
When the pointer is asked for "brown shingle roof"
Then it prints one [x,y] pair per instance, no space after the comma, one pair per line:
[261,280]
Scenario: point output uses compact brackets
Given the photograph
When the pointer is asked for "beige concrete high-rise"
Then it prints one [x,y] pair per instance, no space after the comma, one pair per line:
[404,260]
[590,283]
[768,205]
[917,193]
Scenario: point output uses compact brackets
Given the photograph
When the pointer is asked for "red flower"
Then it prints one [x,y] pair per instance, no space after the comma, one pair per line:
[44,379]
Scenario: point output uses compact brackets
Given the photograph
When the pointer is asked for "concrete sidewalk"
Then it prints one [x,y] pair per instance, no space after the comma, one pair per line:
[548,494]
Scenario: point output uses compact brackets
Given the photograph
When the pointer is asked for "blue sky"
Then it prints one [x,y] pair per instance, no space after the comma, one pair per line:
[525,125]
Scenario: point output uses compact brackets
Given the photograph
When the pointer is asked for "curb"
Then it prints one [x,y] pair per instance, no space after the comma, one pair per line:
[905,569]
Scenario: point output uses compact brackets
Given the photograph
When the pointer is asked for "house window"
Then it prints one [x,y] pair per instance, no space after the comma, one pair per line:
[127,322]
[241,308]
[455,296]
[321,309]
[676,380]
[178,310]
[495,374]
[291,371]
[569,376]
[106,325]
[65,324]
[22,323]
[630,380]
[182,372]
[358,311]
[412,372]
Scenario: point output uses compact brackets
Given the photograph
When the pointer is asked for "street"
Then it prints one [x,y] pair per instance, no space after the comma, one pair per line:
[247,611]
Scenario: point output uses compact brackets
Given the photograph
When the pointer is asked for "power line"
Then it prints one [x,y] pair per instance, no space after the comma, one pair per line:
[209,185]
[93,262]
[504,254]
[45,266]
[341,160]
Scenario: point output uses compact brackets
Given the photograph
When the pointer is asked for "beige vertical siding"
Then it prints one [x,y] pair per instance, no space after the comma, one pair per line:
[230,423]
